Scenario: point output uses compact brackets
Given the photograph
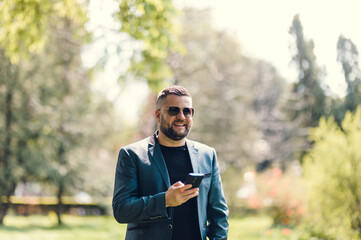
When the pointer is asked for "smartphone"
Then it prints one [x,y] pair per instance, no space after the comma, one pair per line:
[195,179]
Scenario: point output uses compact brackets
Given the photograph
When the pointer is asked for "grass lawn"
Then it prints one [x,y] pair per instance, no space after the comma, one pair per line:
[105,227]
[259,228]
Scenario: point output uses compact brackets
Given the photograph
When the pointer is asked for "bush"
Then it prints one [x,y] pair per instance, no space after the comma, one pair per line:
[284,197]
[278,194]
[333,175]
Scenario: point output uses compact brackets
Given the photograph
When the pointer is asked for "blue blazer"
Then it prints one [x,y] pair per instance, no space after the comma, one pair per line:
[141,180]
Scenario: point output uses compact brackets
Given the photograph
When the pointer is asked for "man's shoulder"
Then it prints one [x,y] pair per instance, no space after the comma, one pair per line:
[199,145]
[140,144]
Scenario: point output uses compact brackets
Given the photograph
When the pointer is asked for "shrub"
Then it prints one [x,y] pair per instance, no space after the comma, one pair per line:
[333,174]
[278,194]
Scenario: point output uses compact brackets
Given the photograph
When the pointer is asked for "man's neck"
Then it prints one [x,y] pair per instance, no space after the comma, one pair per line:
[165,141]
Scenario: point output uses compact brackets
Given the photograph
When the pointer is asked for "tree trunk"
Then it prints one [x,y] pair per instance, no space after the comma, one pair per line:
[7,186]
[60,206]
[4,206]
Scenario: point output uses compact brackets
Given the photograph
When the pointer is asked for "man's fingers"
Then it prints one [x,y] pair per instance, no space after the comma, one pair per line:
[188,186]
[179,193]
[194,194]
[178,184]
[191,193]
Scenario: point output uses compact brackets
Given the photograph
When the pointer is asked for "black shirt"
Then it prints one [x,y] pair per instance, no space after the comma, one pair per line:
[185,221]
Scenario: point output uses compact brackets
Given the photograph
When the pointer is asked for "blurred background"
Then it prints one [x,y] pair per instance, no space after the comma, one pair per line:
[276,88]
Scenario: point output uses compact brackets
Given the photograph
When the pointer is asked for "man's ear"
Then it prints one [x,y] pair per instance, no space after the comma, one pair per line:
[157,114]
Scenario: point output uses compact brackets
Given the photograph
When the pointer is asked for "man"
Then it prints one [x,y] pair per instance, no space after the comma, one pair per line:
[149,193]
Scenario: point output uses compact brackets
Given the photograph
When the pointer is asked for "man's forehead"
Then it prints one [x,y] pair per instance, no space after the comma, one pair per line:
[177,100]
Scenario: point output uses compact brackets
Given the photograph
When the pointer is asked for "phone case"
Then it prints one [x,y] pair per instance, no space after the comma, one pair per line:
[195,179]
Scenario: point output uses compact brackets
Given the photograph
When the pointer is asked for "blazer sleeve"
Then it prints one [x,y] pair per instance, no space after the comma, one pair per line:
[128,205]
[217,210]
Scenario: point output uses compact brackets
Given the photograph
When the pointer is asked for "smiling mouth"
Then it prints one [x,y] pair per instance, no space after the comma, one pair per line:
[179,125]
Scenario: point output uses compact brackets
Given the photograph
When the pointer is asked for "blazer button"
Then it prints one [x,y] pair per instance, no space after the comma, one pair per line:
[170,226]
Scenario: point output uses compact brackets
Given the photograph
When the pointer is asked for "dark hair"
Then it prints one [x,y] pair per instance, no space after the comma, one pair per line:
[171,90]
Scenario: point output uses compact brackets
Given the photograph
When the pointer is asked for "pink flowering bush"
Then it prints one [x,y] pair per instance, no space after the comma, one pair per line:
[278,194]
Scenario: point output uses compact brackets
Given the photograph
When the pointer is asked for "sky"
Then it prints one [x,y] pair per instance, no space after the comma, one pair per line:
[262,28]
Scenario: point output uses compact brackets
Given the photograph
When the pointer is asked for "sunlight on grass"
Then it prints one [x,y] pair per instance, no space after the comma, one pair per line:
[259,228]
[74,228]
[105,227]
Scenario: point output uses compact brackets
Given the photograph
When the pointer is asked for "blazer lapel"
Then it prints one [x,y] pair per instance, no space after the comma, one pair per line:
[157,157]
[193,153]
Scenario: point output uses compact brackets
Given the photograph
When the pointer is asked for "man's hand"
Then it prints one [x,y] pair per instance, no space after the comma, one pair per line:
[179,193]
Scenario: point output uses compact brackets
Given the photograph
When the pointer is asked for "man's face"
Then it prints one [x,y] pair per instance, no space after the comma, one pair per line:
[175,127]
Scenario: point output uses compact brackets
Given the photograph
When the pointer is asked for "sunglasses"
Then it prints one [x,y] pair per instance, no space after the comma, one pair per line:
[187,112]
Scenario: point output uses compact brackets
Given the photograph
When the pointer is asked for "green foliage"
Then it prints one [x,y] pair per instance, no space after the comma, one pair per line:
[23,24]
[47,98]
[153,23]
[332,170]
[10,171]
[60,89]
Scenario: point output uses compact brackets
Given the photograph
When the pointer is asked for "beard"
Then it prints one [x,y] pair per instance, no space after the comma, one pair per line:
[167,130]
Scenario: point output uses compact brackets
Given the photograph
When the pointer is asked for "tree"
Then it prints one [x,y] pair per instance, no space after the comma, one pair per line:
[44,98]
[309,97]
[269,91]
[154,24]
[232,94]
[63,95]
[151,23]
[8,161]
[332,171]
[306,102]
[214,70]
[24,24]
[347,56]
[37,95]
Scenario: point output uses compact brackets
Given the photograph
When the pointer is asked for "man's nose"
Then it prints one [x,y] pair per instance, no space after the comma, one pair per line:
[181,114]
